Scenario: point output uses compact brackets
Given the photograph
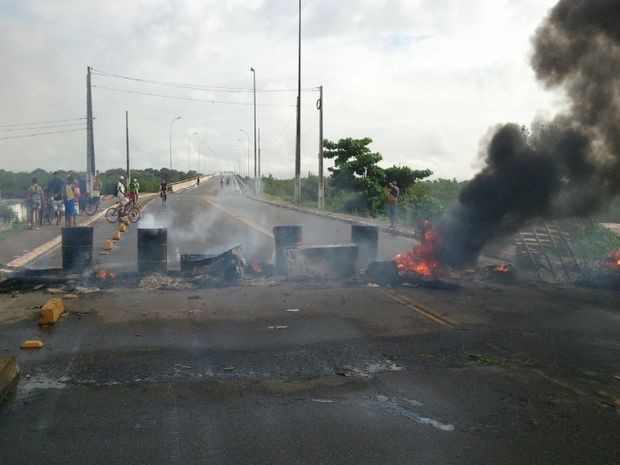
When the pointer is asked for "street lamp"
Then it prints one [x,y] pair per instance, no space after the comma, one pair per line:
[178,117]
[297,194]
[255,166]
[189,144]
[200,145]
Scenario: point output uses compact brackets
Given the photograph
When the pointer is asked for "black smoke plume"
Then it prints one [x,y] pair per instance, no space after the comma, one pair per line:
[567,167]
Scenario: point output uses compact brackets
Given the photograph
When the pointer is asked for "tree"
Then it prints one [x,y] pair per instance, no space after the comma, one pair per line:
[356,169]
[405,177]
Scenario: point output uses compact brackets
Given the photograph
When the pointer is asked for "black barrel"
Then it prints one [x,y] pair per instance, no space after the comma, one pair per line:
[152,250]
[286,236]
[367,238]
[77,248]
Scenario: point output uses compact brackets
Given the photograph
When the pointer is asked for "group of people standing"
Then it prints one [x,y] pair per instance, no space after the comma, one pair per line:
[60,198]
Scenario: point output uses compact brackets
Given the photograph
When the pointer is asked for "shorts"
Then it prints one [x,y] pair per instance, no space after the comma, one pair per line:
[58,206]
[69,207]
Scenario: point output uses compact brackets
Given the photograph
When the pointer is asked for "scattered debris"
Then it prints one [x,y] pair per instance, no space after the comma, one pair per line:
[70,296]
[32,344]
[323,401]
[86,290]
[161,281]
[229,368]
[372,285]
[209,270]
[38,286]
[383,273]
[278,327]
[292,310]
[54,291]
[51,311]
[393,406]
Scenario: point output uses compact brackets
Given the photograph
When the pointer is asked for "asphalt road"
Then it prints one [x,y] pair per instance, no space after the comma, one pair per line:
[310,372]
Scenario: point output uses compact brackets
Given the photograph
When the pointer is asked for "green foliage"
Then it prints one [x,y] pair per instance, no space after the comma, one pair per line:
[14,185]
[590,240]
[356,169]
[281,188]
[405,177]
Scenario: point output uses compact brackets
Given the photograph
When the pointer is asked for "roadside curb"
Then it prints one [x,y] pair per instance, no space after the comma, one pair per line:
[333,216]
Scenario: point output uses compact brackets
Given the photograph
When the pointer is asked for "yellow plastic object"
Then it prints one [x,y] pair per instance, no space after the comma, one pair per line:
[107,245]
[122,228]
[126,222]
[51,311]
[116,235]
[31,345]
[70,296]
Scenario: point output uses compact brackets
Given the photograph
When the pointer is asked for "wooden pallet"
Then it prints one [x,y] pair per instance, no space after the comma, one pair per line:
[546,248]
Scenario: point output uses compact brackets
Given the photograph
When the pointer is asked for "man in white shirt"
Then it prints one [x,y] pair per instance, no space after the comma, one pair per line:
[120,192]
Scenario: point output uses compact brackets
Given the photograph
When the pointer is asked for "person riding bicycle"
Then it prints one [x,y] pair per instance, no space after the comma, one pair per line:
[120,194]
[134,189]
[163,191]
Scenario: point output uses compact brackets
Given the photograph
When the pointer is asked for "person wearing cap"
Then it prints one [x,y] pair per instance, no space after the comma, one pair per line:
[120,192]
[393,194]
[134,186]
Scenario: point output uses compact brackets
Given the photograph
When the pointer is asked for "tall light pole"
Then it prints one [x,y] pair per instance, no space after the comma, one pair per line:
[297,195]
[255,163]
[200,145]
[189,144]
[178,117]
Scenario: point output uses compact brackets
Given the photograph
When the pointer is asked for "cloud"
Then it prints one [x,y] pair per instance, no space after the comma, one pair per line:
[423,78]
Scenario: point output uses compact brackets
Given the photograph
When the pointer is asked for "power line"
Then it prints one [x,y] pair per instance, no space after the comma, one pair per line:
[43,127]
[194,86]
[225,102]
[22,136]
[40,122]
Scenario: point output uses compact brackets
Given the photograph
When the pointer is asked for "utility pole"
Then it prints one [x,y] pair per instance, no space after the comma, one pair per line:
[127,148]
[255,155]
[90,141]
[321,193]
[297,195]
[260,180]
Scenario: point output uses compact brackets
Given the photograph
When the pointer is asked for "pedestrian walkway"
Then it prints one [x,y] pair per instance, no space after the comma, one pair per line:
[28,240]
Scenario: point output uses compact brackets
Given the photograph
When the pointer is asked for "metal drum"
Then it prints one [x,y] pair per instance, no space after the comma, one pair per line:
[367,238]
[152,250]
[286,236]
[77,248]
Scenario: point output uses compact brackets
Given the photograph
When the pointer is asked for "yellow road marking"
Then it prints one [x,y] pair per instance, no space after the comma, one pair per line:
[239,218]
[425,312]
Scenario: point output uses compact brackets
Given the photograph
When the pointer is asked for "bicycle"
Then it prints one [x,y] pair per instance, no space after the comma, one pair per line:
[116,213]
[91,205]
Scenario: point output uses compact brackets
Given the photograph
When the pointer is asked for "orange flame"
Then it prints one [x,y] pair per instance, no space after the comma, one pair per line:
[613,260]
[421,259]
[255,267]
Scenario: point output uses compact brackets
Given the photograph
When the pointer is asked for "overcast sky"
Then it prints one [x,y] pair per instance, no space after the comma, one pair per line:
[425,79]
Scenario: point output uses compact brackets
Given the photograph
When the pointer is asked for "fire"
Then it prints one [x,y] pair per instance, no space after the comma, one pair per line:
[421,259]
[102,275]
[502,268]
[255,266]
[613,260]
